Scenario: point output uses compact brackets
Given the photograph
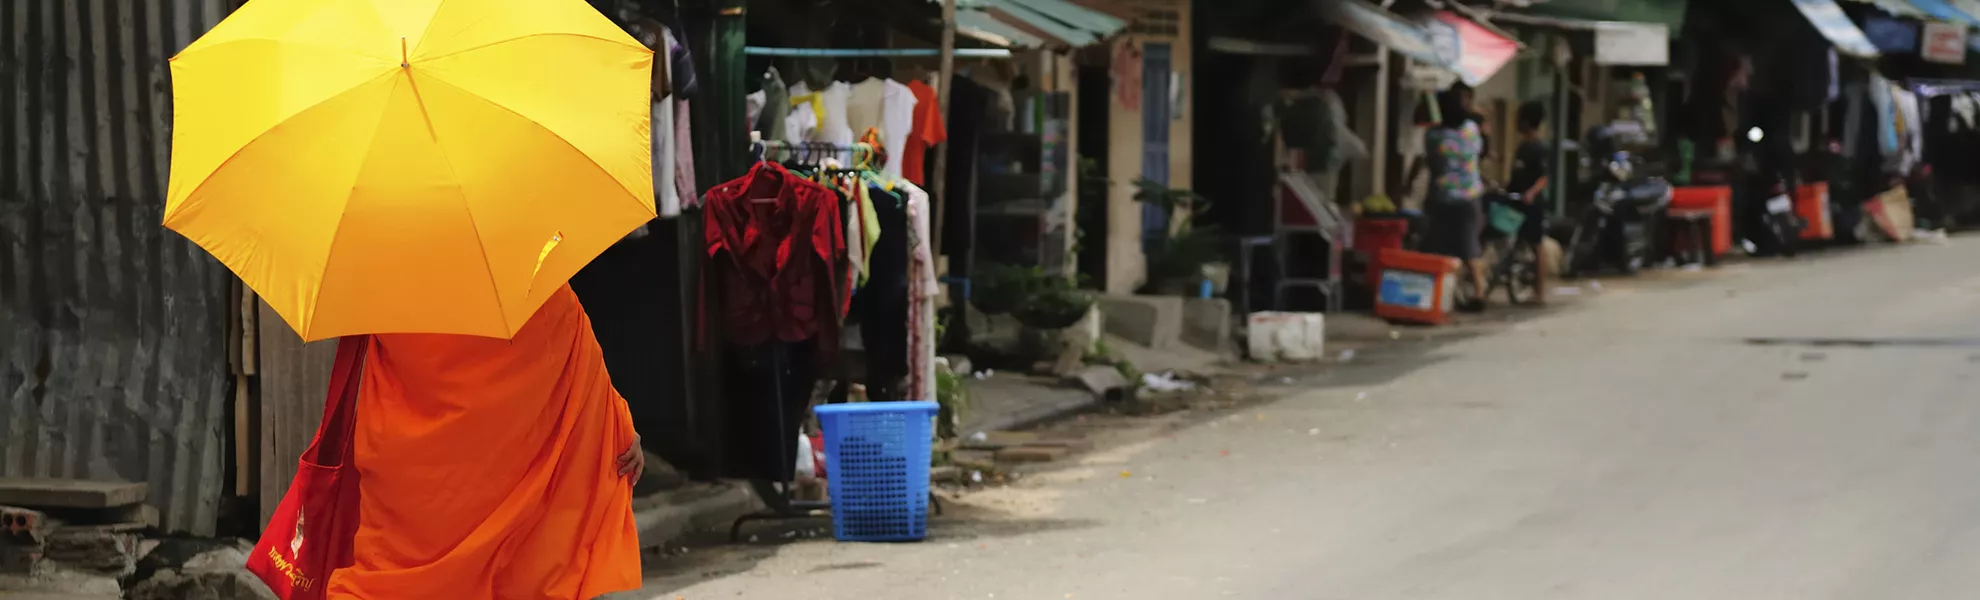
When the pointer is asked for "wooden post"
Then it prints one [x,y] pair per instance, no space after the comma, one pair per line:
[944,81]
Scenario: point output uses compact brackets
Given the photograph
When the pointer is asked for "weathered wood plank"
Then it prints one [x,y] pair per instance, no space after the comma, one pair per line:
[294,377]
[69,493]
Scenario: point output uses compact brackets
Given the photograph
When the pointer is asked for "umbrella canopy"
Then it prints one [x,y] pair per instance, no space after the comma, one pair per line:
[410,166]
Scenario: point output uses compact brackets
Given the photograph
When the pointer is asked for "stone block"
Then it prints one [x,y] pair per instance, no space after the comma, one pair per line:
[1275,336]
[1206,324]
[1150,321]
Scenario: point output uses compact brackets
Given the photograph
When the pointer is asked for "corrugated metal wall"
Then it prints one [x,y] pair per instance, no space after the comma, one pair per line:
[113,331]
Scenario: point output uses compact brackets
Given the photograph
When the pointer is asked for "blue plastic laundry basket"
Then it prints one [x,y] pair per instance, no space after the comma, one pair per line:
[876,465]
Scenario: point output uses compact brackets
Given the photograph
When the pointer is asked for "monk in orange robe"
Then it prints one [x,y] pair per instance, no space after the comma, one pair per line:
[494,469]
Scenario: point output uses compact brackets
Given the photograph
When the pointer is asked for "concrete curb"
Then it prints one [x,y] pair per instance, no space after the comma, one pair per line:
[668,522]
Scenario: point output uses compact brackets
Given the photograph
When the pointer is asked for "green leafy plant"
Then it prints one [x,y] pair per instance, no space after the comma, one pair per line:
[1182,257]
[1001,288]
[1055,303]
[952,400]
[1172,200]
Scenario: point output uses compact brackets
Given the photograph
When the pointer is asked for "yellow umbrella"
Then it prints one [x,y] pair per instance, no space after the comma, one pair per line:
[410,166]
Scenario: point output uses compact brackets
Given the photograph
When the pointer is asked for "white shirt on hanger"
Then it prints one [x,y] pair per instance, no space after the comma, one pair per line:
[833,130]
[889,106]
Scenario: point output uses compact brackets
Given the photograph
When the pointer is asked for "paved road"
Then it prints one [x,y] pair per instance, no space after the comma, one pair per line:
[1637,446]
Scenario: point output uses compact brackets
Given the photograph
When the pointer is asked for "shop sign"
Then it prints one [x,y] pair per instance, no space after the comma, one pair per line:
[1944,43]
[1633,44]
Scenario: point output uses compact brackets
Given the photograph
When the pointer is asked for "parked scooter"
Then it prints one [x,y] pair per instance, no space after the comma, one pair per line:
[1781,222]
[1619,225]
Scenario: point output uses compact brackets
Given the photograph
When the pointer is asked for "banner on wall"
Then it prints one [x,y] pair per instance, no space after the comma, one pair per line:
[1633,44]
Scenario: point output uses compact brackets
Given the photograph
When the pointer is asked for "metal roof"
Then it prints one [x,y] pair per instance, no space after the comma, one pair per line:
[1035,23]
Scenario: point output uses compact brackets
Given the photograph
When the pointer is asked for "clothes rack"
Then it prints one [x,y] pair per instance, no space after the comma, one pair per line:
[778,496]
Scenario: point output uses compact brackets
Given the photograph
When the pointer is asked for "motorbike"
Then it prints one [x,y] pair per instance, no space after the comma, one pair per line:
[1618,227]
[1781,222]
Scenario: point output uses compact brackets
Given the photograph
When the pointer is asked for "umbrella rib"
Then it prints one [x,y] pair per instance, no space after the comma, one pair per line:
[480,243]
[629,193]
[526,37]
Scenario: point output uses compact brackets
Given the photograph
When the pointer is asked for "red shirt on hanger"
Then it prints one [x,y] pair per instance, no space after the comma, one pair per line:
[929,129]
[774,242]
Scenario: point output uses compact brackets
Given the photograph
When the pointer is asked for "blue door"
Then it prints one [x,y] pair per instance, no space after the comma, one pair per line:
[1155,75]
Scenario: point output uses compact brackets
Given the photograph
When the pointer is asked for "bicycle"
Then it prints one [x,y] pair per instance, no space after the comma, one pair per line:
[1516,265]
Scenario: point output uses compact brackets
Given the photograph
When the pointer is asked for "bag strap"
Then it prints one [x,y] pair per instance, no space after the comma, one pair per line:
[332,446]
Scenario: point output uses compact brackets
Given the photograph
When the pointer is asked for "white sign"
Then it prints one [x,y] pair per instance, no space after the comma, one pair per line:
[1633,44]
[1943,43]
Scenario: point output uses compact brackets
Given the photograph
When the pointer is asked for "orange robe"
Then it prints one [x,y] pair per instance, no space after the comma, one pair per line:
[488,468]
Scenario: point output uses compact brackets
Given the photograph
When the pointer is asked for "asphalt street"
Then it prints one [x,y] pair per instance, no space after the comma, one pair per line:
[1779,430]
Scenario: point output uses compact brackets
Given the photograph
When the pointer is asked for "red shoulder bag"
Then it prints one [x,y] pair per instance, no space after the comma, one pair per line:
[311,532]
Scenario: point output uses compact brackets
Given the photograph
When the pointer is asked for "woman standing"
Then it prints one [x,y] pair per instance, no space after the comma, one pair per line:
[1452,148]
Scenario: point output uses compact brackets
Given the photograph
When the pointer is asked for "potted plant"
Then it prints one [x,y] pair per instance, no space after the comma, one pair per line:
[1175,264]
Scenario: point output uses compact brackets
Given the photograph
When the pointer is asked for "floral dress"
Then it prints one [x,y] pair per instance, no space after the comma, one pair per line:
[1456,187]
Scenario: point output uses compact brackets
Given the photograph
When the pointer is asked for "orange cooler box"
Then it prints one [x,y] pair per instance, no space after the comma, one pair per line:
[1811,203]
[1717,199]
[1415,287]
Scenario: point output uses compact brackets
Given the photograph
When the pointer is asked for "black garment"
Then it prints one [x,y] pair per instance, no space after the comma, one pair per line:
[882,306]
[1453,228]
[1530,164]
[768,394]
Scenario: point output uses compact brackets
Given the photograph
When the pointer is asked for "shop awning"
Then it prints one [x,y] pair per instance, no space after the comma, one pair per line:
[1034,23]
[1828,18]
[1625,43]
[990,30]
[1477,52]
[1944,11]
[1383,27]
[1669,13]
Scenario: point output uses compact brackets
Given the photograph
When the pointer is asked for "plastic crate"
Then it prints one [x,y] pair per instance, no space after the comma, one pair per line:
[877,455]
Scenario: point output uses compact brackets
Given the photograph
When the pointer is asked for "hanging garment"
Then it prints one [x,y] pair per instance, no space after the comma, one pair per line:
[922,289]
[1853,109]
[927,129]
[776,106]
[882,303]
[489,466]
[1880,100]
[753,107]
[807,111]
[774,242]
[887,106]
[856,247]
[684,180]
[767,392]
[665,193]
[680,66]
[828,106]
